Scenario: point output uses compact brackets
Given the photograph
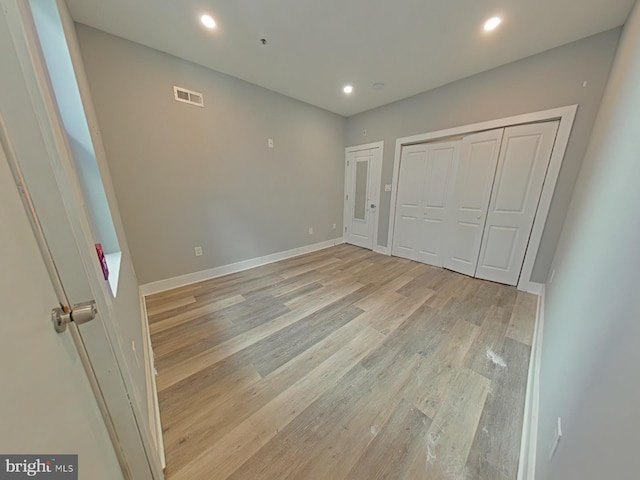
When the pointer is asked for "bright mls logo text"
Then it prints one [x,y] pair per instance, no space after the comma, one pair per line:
[61,467]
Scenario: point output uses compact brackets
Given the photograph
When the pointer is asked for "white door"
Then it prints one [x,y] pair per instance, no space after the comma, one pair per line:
[35,139]
[413,169]
[46,405]
[362,184]
[425,189]
[474,179]
[524,158]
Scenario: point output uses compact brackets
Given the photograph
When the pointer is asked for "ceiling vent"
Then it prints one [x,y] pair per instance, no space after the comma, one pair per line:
[188,96]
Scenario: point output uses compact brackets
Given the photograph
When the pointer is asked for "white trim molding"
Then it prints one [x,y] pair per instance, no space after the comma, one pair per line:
[528,443]
[155,423]
[382,250]
[566,116]
[377,177]
[183,280]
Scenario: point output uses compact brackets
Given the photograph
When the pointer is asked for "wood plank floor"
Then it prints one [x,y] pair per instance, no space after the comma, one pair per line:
[342,364]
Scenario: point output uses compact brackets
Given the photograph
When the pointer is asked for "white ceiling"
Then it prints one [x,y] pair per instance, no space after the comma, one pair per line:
[314,47]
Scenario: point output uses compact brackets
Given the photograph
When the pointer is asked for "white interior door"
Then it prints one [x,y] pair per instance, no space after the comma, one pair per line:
[413,170]
[474,180]
[46,406]
[427,173]
[362,182]
[41,151]
[522,166]
[437,197]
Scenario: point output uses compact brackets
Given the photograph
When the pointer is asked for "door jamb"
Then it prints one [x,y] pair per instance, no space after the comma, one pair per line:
[566,116]
[377,173]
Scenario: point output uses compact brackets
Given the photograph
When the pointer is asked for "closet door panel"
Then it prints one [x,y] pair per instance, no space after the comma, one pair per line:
[437,196]
[472,192]
[408,208]
[522,166]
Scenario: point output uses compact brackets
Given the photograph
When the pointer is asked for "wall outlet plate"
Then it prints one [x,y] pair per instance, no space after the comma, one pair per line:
[198,251]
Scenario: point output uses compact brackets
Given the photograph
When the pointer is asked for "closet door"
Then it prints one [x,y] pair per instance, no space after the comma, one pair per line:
[437,197]
[424,197]
[413,169]
[522,166]
[474,179]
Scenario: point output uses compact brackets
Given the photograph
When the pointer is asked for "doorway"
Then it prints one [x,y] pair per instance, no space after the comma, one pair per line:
[109,347]
[363,166]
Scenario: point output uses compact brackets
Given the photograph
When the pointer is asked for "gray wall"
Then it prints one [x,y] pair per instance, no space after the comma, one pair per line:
[591,349]
[548,80]
[187,176]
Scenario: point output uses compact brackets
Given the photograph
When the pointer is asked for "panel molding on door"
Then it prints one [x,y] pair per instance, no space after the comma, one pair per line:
[425,189]
[522,167]
[473,183]
[362,179]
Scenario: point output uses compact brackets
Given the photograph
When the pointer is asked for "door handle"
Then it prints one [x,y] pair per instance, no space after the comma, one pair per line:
[373,205]
[81,313]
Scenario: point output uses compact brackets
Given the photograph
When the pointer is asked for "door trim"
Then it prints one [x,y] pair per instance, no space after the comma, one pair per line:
[377,177]
[566,116]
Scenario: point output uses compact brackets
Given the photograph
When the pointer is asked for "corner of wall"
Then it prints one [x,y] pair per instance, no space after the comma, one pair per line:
[528,443]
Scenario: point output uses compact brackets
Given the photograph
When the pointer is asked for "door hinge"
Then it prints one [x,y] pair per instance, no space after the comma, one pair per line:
[347,163]
[345,229]
[347,197]
[79,314]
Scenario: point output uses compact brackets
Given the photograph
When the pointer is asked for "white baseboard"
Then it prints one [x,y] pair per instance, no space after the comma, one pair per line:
[530,287]
[528,443]
[188,279]
[382,250]
[153,406]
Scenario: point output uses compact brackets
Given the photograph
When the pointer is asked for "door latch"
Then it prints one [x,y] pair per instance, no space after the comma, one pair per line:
[79,314]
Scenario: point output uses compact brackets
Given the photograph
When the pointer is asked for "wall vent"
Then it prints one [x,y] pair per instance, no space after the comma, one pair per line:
[188,96]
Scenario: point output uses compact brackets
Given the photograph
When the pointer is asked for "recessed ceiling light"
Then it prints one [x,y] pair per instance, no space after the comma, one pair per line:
[347,89]
[492,23]
[208,21]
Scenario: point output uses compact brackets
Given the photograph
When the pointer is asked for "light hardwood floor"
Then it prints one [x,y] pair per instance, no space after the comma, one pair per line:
[339,364]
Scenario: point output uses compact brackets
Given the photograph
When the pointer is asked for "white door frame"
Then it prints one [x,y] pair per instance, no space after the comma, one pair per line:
[58,162]
[566,116]
[376,175]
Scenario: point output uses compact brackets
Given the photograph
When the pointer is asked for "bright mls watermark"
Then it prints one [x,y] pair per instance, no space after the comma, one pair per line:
[50,467]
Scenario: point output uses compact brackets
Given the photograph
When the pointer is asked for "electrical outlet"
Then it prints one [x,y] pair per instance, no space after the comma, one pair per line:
[270,143]
[198,251]
[310,230]
[387,187]
[334,226]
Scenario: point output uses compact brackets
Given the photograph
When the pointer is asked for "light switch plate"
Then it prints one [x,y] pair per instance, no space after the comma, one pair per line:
[387,187]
